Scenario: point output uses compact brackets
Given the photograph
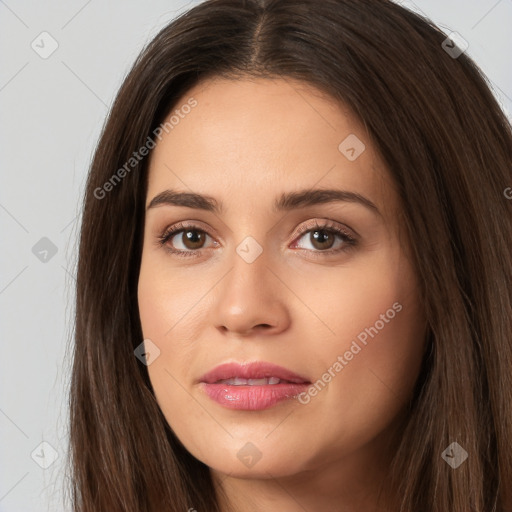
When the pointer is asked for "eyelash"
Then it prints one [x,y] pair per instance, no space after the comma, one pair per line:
[349,241]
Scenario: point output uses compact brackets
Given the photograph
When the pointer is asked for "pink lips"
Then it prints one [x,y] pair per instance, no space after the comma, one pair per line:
[253,386]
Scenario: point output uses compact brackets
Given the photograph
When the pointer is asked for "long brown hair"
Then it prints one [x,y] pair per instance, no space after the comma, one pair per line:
[448,147]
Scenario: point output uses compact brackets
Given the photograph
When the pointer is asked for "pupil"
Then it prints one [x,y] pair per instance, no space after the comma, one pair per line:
[194,237]
[319,237]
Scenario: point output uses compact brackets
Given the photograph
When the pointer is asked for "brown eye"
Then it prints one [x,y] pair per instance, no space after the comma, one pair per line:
[190,238]
[184,240]
[322,239]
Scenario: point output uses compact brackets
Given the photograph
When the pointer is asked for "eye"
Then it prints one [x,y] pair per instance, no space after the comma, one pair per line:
[191,239]
[321,236]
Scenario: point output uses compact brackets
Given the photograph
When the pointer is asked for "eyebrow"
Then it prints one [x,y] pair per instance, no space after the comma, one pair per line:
[285,202]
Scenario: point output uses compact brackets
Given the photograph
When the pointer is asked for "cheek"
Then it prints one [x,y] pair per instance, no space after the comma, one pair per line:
[166,312]
[168,299]
[170,312]
[369,367]
[375,297]
[382,315]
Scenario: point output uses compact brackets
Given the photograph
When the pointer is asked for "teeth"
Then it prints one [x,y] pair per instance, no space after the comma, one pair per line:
[237,381]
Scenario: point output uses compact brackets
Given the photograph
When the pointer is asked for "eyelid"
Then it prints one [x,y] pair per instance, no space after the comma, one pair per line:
[325,224]
[184,225]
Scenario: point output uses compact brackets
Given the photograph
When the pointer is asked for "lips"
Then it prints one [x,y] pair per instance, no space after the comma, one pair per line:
[253,386]
[252,374]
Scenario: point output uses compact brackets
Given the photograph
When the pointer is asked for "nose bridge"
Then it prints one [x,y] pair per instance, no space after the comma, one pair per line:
[254,259]
[249,295]
[249,267]
[250,250]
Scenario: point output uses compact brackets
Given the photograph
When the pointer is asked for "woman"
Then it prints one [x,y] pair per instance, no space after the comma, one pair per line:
[294,273]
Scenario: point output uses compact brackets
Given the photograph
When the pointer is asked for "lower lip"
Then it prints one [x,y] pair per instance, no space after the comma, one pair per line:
[252,398]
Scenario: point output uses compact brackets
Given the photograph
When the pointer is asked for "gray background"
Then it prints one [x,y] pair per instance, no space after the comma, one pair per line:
[52,111]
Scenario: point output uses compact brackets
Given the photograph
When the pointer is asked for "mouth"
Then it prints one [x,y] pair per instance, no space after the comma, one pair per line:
[238,381]
[257,373]
[252,386]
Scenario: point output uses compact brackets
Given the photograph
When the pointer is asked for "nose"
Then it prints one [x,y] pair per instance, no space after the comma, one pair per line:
[251,299]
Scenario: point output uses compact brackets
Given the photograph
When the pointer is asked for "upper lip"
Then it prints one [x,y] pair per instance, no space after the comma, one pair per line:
[253,370]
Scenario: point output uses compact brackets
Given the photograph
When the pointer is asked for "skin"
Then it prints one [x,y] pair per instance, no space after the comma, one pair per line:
[246,142]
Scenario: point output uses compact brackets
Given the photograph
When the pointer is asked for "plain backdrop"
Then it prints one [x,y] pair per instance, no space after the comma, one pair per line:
[52,109]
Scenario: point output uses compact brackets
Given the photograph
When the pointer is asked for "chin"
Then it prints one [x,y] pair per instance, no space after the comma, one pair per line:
[245,460]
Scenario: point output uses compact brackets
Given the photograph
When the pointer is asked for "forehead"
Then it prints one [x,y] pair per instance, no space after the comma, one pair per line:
[259,137]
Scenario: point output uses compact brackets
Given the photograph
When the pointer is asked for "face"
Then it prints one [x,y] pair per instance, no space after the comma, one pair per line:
[317,284]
